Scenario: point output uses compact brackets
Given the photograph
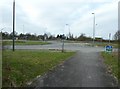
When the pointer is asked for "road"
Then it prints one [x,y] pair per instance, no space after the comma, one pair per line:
[58,45]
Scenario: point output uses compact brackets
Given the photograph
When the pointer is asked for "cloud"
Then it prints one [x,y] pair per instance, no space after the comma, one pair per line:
[39,16]
[106,18]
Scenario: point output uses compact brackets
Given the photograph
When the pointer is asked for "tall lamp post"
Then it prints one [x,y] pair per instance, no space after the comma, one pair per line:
[69,30]
[13,25]
[63,38]
[93,28]
[2,29]
[109,37]
[1,33]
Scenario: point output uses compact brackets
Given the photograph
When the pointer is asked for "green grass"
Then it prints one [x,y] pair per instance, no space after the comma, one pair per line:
[25,43]
[111,60]
[115,45]
[22,66]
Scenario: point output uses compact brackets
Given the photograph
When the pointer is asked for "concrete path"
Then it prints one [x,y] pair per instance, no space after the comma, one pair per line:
[85,69]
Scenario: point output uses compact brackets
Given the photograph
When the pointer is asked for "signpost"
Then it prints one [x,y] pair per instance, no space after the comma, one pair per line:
[108,48]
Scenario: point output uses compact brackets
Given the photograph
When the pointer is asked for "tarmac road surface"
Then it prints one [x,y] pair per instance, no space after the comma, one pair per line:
[85,69]
[56,45]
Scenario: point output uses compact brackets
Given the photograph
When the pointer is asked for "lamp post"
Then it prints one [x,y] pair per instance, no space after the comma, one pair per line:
[1,33]
[93,28]
[2,29]
[109,37]
[69,30]
[63,38]
[13,25]
[23,28]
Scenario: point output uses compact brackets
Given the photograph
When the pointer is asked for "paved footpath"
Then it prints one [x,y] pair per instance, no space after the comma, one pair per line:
[85,69]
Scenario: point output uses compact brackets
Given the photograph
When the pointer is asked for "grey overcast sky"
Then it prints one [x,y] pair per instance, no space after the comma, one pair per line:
[51,16]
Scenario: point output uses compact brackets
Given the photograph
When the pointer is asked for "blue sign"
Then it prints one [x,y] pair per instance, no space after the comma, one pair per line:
[108,48]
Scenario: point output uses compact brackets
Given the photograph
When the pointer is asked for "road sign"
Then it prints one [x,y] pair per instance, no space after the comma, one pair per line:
[108,48]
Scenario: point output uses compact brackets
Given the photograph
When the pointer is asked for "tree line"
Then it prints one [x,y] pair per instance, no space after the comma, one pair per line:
[29,36]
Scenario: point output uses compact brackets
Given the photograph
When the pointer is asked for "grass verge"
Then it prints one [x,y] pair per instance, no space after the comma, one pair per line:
[103,44]
[25,43]
[22,66]
[111,60]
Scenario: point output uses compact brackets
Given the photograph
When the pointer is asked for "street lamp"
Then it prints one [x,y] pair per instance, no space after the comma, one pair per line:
[69,30]
[109,37]
[1,33]
[93,28]
[2,29]
[13,25]
[63,37]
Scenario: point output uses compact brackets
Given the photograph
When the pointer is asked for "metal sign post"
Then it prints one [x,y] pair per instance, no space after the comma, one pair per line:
[108,48]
